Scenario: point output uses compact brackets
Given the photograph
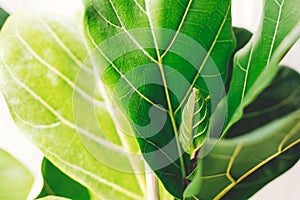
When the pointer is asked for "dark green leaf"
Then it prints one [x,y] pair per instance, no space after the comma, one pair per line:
[3,17]
[154,54]
[59,184]
[237,168]
[279,99]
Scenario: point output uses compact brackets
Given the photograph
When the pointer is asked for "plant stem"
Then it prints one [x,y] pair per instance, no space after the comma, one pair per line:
[151,183]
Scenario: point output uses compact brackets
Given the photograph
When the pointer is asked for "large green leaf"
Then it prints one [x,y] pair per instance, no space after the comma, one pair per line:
[59,184]
[237,168]
[15,179]
[153,50]
[279,99]
[40,59]
[257,63]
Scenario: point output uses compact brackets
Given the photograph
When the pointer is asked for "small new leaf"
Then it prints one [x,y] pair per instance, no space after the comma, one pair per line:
[194,123]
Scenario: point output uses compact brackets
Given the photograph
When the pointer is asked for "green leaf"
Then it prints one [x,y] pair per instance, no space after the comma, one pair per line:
[59,184]
[15,179]
[40,60]
[237,168]
[3,17]
[256,64]
[193,128]
[151,46]
[279,99]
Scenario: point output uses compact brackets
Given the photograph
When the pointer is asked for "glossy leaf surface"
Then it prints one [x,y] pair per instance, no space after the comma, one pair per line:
[154,38]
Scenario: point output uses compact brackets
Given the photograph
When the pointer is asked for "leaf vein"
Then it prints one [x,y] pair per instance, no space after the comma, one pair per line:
[140,7]
[95,177]
[206,58]
[252,170]
[129,35]
[124,78]
[61,118]
[178,29]
[64,47]
[275,32]
[59,74]
[103,17]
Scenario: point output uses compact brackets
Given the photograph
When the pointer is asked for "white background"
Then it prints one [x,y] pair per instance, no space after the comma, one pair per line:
[245,14]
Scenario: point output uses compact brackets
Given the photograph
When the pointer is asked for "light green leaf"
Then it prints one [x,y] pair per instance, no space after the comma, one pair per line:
[256,64]
[59,184]
[142,69]
[237,168]
[194,123]
[40,60]
[15,179]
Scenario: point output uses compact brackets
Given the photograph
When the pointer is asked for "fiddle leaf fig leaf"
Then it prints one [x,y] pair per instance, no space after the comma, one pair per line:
[40,59]
[15,179]
[240,166]
[142,61]
[146,81]
[256,64]
[280,99]
[194,123]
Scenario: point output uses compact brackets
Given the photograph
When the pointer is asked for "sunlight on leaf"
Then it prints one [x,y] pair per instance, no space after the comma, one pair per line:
[38,85]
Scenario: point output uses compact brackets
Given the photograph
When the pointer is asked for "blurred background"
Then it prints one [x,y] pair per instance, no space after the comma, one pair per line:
[245,14]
